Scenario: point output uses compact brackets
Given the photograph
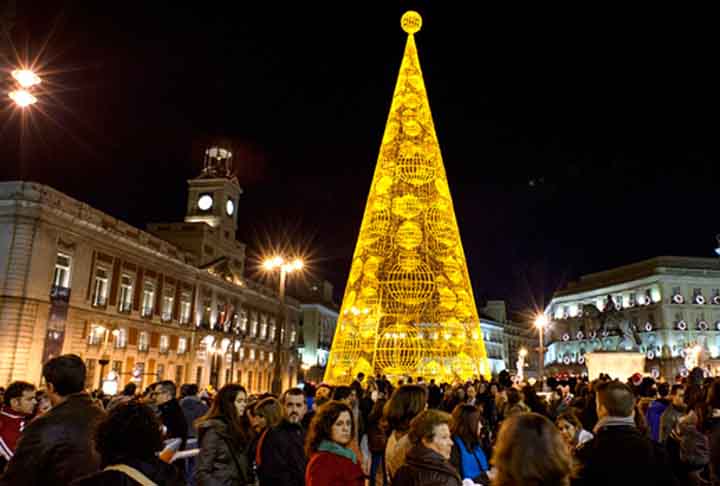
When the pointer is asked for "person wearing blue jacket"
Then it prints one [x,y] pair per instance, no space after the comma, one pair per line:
[656,409]
[467,454]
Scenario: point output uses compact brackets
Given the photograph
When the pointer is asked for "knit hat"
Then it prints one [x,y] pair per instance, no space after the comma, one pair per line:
[636,379]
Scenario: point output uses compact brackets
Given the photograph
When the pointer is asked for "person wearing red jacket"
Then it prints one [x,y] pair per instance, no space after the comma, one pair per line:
[16,411]
[331,461]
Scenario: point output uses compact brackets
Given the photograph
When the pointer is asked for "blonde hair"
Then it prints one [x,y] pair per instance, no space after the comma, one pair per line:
[530,452]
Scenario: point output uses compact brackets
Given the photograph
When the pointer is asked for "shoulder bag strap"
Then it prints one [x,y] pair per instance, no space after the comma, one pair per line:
[133,473]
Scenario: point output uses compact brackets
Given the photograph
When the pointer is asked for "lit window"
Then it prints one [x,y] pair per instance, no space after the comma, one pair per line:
[185,308]
[241,353]
[100,287]
[252,354]
[61,277]
[263,327]
[143,342]
[262,355]
[148,299]
[292,336]
[120,338]
[126,293]
[164,343]
[96,335]
[253,325]
[167,304]
[182,345]
[270,357]
[242,316]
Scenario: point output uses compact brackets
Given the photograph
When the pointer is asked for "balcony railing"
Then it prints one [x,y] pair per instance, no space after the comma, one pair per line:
[58,293]
[99,301]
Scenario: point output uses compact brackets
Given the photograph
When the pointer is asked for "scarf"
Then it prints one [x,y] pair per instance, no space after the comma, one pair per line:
[337,449]
[614,422]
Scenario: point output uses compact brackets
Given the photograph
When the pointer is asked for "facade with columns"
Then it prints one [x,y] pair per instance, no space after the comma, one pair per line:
[667,308]
[169,303]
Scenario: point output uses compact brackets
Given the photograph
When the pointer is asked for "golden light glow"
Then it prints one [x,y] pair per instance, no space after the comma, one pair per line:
[22,98]
[270,264]
[25,77]
[541,321]
[408,307]
[523,352]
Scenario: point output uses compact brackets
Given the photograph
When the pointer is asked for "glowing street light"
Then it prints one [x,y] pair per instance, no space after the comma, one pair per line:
[22,98]
[286,267]
[26,78]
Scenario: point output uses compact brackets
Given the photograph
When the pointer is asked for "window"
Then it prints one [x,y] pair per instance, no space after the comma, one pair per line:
[252,354]
[263,327]
[100,287]
[207,312]
[117,367]
[61,277]
[241,354]
[148,299]
[160,371]
[253,325]
[126,293]
[243,320]
[182,345]
[164,343]
[262,355]
[90,365]
[143,342]
[271,355]
[179,374]
[167,304]
[120,338]
[96,335]
[292,336]
[184,308]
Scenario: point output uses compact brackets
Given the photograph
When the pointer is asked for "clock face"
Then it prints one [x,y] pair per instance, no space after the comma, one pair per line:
[230,207]
[205,202]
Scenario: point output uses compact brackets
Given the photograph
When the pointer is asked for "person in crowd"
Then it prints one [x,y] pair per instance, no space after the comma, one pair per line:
[405,403]
[377,440]
[673,412]
[331,462]
[428,461]
[323,391]
[467,455]
[280,457]
[572,430]
[435,394]
[348,395]
[471,394]
[42,403]
[192,407]
[128,441]
[357,384]
[530,451]
[16,412]
[656,409]
[171,414]
[57,447]
[127,394]
[224,438]
[534,402]
[619,454]
[710,426]
[514,403]
[262,415]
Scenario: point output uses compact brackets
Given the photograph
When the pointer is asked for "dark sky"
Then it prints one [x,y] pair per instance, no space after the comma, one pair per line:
[574,141]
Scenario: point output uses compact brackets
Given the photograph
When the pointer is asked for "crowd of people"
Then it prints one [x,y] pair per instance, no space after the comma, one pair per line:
[370,432]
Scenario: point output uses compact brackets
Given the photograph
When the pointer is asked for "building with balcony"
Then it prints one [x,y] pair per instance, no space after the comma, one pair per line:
[666,307]
[169,303]
[319,314]
[504,338]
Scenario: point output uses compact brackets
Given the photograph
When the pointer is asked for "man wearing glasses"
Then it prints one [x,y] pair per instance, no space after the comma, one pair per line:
[171,413]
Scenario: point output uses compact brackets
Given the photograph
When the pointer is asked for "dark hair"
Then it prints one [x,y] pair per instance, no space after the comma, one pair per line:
[66,373]
[513,396]
[663,389]
[376,413]
[570,417]
[617,398]
[130,389]
[130,431]
[424,424]
[168,386]
[713,395]
[465,420]
[270,409]
[321,425]
[16,390]
[223,408]
[294,392]
[405,403]
[530,450]
[188,390]
[341,392]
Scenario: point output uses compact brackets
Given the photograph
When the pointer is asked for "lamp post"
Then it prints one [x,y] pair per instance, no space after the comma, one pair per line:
[26,80]
[285,267]
[540,322]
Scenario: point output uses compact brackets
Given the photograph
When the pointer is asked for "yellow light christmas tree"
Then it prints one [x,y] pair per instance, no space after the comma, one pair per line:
[408,308]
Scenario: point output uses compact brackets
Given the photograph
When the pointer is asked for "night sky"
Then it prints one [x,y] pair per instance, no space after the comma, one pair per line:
[574,141]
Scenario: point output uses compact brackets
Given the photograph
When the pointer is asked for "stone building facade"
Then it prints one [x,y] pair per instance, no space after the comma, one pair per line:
[665,307]
[76,280]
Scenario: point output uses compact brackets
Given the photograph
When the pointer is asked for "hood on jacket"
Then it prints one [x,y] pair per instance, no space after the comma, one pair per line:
[423,458]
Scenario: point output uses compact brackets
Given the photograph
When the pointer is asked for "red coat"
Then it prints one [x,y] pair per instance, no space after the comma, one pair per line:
[328,469]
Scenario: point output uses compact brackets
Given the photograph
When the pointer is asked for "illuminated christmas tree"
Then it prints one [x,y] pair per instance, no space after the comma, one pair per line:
[408,308]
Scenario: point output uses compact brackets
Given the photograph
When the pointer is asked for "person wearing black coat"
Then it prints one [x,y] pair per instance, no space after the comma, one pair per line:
[56,447]
[620,454]
[171,413]
[128,441]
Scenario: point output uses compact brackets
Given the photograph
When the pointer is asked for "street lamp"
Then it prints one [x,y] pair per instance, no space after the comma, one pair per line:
[286,267]
[26,80]
[541,321]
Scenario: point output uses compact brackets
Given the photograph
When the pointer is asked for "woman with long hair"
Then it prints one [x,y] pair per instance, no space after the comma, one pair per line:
[224,436]
[331,462]
[405,404]
[530,450]
[377,440]
[572,430]
[467,454]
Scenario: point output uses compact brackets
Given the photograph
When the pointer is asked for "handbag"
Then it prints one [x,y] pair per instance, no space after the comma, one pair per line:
[133,473]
